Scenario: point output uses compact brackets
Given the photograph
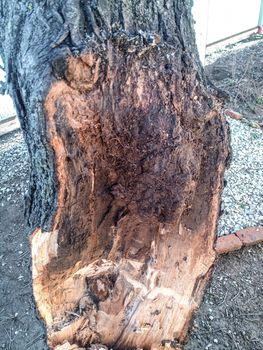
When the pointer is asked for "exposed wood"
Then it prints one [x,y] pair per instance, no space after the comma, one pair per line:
[128,150]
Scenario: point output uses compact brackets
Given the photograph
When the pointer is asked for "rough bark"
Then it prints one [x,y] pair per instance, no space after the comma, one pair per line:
[128,150]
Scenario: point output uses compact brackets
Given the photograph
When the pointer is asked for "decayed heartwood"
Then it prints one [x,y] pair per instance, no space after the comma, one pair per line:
[127,150]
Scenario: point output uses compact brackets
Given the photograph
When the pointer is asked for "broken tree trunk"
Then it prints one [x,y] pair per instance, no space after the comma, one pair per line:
[128,150]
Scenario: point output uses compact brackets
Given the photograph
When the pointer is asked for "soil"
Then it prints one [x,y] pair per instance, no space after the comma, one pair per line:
[20,328]
[231,314]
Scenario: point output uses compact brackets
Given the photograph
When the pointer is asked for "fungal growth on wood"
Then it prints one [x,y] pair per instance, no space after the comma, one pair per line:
[128,150]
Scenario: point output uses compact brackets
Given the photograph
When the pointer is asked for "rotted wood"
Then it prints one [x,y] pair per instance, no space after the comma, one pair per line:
[128,151]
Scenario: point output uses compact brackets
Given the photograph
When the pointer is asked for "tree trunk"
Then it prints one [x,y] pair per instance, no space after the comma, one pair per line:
[128,150]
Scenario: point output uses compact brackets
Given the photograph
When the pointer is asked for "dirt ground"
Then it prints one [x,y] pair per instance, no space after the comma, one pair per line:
[231,315]
[20,329]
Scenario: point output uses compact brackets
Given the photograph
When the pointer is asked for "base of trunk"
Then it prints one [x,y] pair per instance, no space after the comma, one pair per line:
[127,303]
[131,247]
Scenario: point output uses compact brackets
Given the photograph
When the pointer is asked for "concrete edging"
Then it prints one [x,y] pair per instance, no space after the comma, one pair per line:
[8,126]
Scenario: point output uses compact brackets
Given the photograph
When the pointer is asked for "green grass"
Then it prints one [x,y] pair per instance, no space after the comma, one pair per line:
[259,100]
[255,136]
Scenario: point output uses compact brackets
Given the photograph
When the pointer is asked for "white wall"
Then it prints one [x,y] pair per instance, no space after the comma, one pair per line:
[229,17]
[219,19]
[200,13]
[7,109]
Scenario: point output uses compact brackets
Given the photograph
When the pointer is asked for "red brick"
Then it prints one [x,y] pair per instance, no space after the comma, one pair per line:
[226,244]
[232,114]
[251,235]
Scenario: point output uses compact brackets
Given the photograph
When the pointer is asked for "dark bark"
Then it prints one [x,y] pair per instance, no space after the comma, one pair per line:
[127,151]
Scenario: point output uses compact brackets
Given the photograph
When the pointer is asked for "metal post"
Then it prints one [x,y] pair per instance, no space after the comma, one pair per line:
[260,19]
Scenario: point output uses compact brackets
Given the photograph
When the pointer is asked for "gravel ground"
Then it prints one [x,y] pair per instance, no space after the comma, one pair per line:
[237,69]
[242,203]
[220,50]
[14,162]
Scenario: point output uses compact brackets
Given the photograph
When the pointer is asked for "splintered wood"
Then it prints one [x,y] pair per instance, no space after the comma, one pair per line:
[132,242]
